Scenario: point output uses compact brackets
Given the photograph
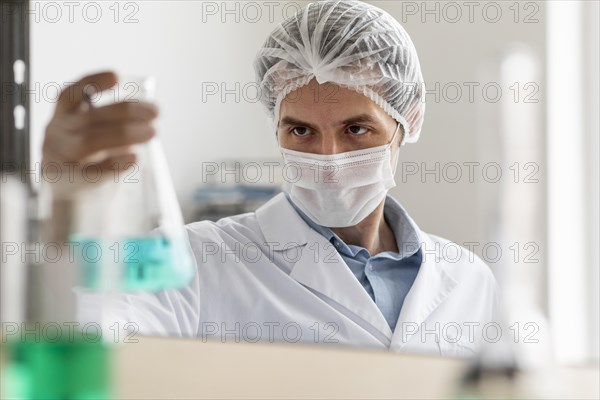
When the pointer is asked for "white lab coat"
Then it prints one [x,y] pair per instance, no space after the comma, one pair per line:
[268,276]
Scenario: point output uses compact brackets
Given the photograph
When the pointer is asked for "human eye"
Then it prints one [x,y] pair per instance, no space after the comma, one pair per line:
[300,131]
[358,130]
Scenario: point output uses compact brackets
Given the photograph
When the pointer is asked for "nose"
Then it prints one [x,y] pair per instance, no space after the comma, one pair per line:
[329,143]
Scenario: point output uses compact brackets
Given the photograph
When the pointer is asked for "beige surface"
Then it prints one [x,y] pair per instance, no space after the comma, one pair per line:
[185,369]
[159,368]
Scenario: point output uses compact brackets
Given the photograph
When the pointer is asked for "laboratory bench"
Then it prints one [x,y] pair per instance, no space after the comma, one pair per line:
[166,368]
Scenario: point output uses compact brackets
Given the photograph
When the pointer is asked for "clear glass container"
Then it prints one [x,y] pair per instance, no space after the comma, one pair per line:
[44,354]
[129,232]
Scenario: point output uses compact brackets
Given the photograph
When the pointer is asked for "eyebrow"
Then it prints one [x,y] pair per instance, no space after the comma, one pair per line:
[287,121]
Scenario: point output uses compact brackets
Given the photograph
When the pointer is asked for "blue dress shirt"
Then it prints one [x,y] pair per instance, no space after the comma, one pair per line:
[388,276]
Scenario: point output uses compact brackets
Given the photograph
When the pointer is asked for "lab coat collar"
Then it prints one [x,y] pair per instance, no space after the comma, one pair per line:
[331,277]
[281,225]
[431,287]
[319,266]
[322,269]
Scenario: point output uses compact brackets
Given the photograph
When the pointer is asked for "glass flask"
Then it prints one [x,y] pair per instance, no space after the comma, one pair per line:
[129,232]
[44,354]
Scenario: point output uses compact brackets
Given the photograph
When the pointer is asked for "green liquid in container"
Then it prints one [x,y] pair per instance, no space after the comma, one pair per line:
[150,263]
[75,367]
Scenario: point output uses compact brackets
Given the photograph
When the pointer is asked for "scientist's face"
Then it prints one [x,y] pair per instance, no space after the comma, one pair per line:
[328,119]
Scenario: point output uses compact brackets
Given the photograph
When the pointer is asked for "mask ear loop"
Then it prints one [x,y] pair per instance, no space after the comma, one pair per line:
[395,132]
[398,151]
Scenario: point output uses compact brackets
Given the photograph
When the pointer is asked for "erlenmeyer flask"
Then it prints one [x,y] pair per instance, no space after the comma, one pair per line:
[129,232]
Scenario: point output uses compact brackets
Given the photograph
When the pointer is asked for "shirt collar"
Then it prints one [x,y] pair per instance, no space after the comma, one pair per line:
[404,228]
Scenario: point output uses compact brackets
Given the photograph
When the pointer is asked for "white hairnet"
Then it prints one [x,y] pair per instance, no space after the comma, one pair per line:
[349,43]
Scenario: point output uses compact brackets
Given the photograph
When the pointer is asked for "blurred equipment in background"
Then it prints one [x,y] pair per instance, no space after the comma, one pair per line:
[236,187]
[46,354]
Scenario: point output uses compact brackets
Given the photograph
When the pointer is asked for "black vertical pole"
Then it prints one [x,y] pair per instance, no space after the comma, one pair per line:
[15,75]
[14,53]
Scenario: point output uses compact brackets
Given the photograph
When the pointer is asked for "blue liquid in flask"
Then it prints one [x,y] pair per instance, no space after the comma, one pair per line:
[150,263]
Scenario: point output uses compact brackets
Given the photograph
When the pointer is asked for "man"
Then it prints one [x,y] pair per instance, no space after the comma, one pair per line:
[333,259]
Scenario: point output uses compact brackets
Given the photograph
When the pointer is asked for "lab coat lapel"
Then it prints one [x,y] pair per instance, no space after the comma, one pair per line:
[319,266]
[281,225]
[431,287]
[322,269]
